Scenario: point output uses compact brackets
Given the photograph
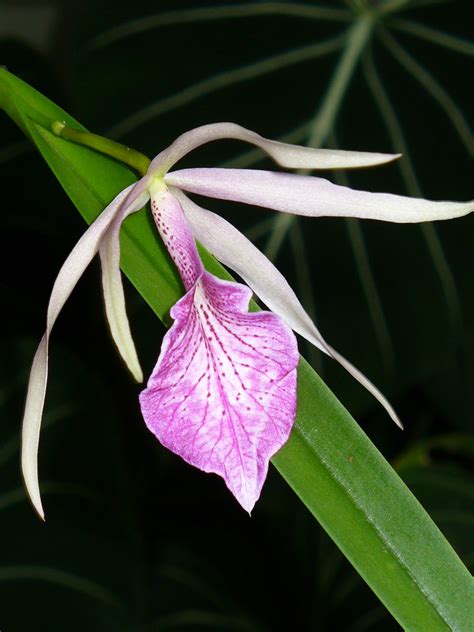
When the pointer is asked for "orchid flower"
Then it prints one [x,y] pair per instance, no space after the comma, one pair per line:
[223,392]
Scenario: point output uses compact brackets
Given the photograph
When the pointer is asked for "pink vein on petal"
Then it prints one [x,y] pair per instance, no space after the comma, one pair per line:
[223,392]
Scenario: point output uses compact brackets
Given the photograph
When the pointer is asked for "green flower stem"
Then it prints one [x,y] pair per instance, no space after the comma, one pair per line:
[134,159]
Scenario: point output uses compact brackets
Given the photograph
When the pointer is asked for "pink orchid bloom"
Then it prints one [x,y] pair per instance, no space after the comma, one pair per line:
[223,392]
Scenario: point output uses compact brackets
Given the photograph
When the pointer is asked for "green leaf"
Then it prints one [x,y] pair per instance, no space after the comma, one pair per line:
[328,461]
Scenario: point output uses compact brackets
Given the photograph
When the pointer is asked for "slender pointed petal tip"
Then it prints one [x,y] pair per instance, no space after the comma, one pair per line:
[32,423]
[311,196]
[285,154]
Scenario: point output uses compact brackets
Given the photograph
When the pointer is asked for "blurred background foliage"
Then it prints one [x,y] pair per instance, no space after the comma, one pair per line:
[136,539]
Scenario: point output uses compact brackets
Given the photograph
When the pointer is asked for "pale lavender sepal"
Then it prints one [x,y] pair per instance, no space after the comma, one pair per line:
[311,196]
[234,250]
[114,298]
[223,392]
[70,273]
[285,154]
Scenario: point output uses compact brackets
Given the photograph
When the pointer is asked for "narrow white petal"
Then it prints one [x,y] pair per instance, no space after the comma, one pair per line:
[32,423]
[70,273]
[114,298]
[234,250]
[311,196]
[286,155]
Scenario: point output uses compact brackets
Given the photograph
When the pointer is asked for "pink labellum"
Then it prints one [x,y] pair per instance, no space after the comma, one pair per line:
[223,392]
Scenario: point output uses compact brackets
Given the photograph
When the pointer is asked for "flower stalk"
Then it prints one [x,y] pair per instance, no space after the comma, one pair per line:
[134,159]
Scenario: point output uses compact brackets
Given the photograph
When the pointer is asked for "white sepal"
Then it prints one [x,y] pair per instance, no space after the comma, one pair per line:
[69,274]
[285,154]
[114,298]
[311,196]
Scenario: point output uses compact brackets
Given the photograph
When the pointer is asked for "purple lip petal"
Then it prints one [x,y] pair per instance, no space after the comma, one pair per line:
[286,155]
[234,250]
[310,195]
[70,273]
[223,392]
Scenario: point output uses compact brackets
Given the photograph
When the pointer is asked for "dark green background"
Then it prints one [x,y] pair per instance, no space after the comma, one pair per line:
[135,539]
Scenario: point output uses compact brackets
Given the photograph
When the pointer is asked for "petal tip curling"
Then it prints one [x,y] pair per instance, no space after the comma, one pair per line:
[30,479]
